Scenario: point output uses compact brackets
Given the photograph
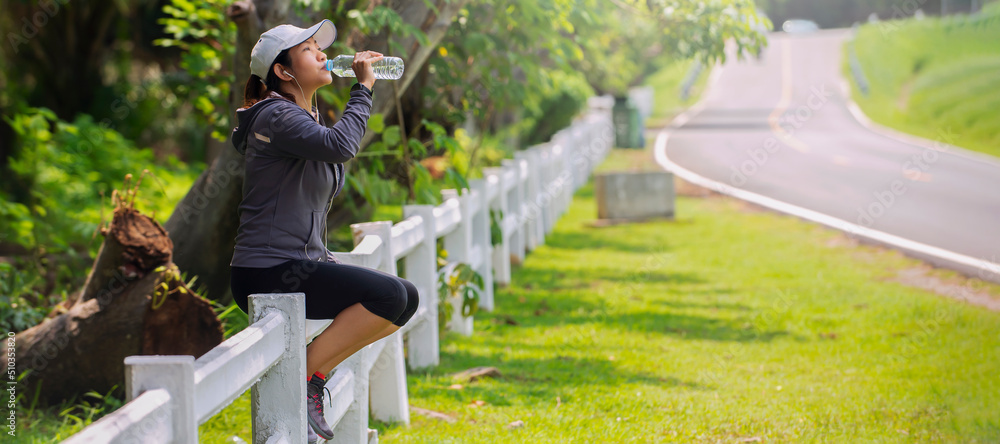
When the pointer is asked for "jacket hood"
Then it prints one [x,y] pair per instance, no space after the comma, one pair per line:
[245,118]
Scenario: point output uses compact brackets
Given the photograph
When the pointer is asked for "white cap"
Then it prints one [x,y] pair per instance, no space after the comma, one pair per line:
[282,37]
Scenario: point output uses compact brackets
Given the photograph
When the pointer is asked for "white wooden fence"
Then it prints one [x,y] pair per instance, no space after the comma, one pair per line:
[169,396]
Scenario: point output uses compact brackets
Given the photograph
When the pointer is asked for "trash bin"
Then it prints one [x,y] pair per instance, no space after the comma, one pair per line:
[628,124]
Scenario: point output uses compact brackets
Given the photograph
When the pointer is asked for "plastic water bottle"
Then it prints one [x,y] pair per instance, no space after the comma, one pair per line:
[389,68]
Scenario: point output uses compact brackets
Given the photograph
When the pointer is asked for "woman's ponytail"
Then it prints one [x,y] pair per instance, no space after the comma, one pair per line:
[254,92]
[257,90]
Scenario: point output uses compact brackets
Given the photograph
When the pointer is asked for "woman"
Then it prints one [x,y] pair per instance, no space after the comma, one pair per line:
[294,169]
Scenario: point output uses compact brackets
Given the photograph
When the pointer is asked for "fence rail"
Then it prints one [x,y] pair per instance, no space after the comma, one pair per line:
[169,396]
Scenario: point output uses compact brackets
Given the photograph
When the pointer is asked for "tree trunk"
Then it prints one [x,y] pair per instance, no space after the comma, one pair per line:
[203,226]
[133,303]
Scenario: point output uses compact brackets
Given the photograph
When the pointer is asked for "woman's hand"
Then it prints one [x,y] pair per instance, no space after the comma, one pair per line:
[362,66]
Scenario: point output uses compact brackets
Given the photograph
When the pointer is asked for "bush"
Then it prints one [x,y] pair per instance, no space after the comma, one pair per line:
[60,173]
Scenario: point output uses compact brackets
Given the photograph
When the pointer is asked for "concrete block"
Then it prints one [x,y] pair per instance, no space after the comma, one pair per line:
[635,195]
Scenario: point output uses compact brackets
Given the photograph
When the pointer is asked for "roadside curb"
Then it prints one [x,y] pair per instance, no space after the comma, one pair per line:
[885,131]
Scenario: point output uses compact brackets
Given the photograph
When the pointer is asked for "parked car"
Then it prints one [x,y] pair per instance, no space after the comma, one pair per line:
[799,26]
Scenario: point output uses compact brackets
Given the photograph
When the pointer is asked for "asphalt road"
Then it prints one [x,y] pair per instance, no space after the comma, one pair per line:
[781,127]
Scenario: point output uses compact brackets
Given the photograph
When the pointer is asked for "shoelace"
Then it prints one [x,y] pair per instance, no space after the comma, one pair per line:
[318,397]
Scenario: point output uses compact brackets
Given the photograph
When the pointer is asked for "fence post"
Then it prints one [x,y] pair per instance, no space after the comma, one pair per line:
[593,147]
[581,158]
[383,230]
[530,192]
[458,244]
[607,133]
[482,242]
[548,199]
[501,253]
[515,203]
[175,374]
[537,188]
[565,175]
[353,426]
[421,269]
[278,400]
[389,399]
[569,152]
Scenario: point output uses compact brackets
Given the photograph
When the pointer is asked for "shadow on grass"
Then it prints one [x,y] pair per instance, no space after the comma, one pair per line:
[585,192]
[562,299]
[606,238]
[548,279]
[708,305]
[683,326]
[545,377]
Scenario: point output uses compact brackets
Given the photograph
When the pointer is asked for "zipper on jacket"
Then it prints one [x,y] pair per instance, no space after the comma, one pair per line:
[329,205]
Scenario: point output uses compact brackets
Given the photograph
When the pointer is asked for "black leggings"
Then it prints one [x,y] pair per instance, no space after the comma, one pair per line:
[330,288]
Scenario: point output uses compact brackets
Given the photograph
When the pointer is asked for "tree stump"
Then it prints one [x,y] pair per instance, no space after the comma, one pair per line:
[133,303]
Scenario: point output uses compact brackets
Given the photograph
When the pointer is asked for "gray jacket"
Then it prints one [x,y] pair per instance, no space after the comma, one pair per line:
[294,169]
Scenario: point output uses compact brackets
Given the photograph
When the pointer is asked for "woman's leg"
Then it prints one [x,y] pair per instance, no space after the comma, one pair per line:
[353,329]
[315,354]
[362,301]
[412,301]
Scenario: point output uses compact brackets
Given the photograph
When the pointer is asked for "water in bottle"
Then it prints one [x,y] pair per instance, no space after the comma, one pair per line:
[389,68]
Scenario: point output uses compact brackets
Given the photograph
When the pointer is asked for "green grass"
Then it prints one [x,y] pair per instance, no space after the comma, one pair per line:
[935,78]
[634,160]
[57,423]
[666,84]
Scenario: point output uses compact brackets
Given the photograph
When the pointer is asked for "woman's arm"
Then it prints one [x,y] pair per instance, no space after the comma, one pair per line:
[294,133]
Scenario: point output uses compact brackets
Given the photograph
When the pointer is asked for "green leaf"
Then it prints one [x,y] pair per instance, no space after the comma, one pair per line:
[376,123]
[455,180]
[391,136]
[417,148]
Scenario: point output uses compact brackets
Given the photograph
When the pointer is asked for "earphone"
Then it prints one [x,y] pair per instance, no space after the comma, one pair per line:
[300,89]
[305,248]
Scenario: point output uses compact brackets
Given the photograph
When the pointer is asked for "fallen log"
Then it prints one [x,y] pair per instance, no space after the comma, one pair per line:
[134,302]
